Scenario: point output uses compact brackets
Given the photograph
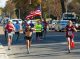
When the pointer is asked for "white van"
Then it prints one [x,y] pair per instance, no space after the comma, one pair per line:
[69,16]
[14,21]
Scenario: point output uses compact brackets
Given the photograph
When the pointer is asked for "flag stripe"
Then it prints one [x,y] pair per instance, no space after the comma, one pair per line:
[34,13]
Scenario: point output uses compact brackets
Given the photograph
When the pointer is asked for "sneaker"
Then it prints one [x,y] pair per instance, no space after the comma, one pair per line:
[28,52]
[69,50]
[9,49]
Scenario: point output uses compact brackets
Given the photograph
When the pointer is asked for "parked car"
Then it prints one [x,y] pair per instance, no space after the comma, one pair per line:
[60,26]
[5,20]
[52,24]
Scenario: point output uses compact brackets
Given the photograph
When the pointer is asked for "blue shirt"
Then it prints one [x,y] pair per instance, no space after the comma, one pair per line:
[17,27]
[32,25]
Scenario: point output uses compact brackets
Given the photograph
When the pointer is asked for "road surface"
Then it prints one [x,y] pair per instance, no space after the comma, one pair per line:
[53,47]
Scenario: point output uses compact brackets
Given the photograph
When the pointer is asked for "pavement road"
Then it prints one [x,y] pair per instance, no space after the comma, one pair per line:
[54,46]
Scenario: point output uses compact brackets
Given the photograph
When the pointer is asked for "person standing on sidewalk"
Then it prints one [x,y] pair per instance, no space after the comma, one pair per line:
[10,28]
[31,24]
[5,31]
[28,36]
[39,29]
[24,25]
[70,29]
[45,24]
[17,29]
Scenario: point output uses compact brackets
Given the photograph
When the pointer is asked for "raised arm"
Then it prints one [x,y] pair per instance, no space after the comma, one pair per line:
[75,29]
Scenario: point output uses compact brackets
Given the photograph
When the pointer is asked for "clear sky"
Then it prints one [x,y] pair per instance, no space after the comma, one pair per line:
[2,3]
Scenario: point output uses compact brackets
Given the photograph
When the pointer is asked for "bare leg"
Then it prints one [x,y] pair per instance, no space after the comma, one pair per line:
[69,45]
[9,43]
[27,45]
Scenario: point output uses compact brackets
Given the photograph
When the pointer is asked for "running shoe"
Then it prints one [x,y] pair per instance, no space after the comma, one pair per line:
[28,52]
[69,50]
[9,49]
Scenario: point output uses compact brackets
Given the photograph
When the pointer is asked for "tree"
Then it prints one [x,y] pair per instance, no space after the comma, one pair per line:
[25,7]
[63,6]
[48,7]
[9,9]
[57,8]
[74,6]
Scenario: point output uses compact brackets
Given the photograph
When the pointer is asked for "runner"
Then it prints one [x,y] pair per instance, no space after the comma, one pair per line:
[28,36]
[10,28]
[70,35]
[17,29]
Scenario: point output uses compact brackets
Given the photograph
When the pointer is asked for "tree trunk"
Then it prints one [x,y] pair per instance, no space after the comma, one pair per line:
[63,6]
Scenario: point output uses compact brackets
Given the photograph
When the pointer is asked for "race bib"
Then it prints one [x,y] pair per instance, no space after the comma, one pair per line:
[69,33]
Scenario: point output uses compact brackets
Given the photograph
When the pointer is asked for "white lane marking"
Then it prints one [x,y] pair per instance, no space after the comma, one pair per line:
[63,43]
[55,35]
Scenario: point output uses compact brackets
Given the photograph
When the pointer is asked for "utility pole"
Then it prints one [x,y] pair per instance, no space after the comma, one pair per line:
[63,6]
[19,14]
[41,10]
[30,2]
[40,3]
[49,8]
[0,11]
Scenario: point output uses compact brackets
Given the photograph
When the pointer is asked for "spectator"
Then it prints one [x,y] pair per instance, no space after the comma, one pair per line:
[31,24]
[17,29]
[39,29]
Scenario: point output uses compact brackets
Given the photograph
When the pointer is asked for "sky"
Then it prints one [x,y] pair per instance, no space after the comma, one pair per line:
[2,3]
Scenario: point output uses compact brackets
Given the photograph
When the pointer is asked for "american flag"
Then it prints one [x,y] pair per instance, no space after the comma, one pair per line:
[29,17]
[36,12]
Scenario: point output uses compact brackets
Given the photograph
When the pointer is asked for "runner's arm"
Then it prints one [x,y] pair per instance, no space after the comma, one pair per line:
[65,28]
[75,29]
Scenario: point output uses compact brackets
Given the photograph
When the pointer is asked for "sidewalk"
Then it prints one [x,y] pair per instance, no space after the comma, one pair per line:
[3,54]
